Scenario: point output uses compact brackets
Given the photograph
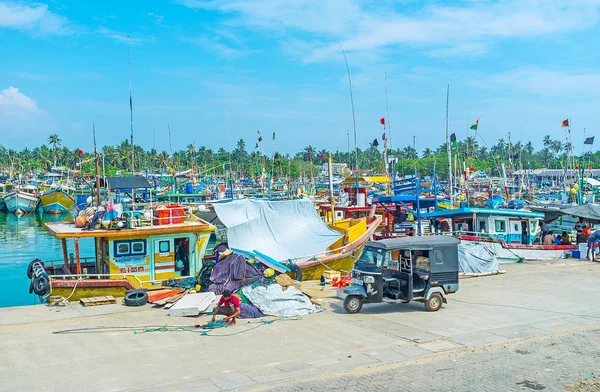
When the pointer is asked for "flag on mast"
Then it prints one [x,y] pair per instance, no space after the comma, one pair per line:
[453,139]
[589,140]
[382,121]
[474,126]
[273,135]
[375,143]
[565,123]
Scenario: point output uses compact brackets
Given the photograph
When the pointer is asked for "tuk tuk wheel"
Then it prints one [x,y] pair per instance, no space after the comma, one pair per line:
[353,304]
[434,303]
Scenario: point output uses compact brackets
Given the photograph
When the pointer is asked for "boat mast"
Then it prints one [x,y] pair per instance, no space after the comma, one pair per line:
[97,170]
[229,150]
[353,119]
[449,150]
[130,106]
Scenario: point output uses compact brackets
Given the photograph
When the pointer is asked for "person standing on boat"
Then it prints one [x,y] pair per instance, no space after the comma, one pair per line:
[591,244]
[229,305]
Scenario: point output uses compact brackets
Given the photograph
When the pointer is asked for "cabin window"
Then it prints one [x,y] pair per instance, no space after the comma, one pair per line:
[122,248]
[517,227]
[438,256]
[164,247]
[500,226]
[138,247]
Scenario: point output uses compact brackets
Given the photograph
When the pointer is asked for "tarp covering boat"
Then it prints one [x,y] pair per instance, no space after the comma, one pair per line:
[283,230]
[476,258]
[588,212]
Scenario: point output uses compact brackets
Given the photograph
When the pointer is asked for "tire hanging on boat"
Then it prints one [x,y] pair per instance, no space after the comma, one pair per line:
[41,285]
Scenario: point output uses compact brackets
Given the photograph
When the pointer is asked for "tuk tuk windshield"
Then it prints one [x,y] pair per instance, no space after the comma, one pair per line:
[372,256]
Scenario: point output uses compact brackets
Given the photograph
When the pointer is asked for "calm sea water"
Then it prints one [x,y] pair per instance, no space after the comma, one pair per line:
[22,240]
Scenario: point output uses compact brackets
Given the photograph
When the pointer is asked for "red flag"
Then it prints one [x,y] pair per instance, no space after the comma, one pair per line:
[565,123]
[382,121]
[321,155]
[80,152]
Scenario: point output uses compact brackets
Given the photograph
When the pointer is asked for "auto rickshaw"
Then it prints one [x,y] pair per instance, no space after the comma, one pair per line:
[404,269]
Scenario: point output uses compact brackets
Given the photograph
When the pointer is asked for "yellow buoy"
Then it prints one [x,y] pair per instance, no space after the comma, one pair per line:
[576,186]
[269,272]
[573,191]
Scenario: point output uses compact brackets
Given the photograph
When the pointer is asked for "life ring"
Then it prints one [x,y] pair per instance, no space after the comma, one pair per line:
[136,298]
[41,285]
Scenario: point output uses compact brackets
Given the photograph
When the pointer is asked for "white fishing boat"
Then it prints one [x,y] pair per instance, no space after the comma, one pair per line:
[23,200]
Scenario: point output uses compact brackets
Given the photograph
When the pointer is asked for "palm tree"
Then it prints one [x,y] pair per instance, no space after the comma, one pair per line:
[55,141]
[547,141]
[427,153]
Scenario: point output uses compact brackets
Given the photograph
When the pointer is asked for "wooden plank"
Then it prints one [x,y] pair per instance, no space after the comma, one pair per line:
[157,296]
[94,301]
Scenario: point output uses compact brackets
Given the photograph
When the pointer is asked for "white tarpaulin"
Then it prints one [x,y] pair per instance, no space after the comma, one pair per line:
[284,230]
[476,258]
[273,300]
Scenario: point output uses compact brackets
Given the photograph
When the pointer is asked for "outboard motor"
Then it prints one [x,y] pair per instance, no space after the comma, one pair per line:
[40,281]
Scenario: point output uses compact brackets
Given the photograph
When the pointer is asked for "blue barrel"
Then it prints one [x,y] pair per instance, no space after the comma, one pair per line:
[188,188]
[228,193]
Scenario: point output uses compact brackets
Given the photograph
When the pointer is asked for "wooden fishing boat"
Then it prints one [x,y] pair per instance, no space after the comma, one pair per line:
[23,200]
[4,189]
[56,201]
[126,258]
[342,254]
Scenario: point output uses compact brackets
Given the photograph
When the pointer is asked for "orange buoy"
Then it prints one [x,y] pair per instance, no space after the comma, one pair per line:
[80,221]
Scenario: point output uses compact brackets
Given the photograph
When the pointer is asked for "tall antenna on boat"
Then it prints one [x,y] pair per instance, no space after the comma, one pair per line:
[229,150]
[130,105]
[97,170]
[448,144]
[170,145]
[387,110]
[353,117]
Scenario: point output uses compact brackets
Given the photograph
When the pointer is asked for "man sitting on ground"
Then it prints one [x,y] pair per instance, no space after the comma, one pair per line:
[229,305]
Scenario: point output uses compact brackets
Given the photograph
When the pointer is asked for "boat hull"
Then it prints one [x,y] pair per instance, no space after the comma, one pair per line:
[341,260]
[20,203]
[85,288]
[2,204]
[56,202]
[511,253]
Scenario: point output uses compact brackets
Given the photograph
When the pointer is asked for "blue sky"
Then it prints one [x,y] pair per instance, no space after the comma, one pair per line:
[521,66]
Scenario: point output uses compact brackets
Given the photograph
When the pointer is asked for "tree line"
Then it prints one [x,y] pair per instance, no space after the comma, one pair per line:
[244,162]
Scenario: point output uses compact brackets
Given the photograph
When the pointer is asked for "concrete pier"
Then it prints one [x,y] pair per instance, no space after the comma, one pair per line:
[531,301]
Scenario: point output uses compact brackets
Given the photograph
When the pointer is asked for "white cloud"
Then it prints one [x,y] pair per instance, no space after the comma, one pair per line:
[35,18]
[124,37]
[217,46]
[15,103]
[364,25]
[572,83]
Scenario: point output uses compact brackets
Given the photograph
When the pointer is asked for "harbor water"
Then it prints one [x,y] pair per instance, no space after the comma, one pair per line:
[23,239]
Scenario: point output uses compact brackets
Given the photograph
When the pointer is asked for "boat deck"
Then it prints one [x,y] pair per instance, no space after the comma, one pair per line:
[68,230]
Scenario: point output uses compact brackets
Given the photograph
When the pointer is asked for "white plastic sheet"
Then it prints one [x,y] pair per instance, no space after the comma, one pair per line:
[476,258]
[284,230]
[274,301]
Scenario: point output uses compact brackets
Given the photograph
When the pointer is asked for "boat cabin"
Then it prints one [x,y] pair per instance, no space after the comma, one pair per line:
[510,226]
[141,255]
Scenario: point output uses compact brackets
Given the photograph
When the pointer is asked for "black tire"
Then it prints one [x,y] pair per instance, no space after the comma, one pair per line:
[353,304]
[41,285]
[30,268]
[136,298]
[434,303]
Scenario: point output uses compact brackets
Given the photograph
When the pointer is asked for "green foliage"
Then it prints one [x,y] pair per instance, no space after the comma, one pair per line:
[306,163]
